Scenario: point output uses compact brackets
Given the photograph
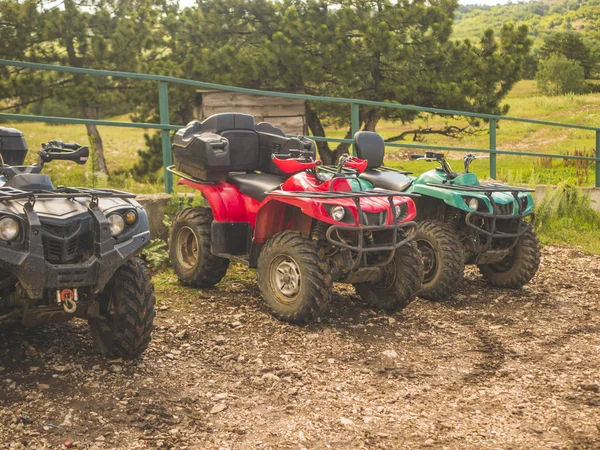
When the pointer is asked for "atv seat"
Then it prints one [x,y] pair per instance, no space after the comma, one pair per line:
[371,146]
[256,185]
[30,182]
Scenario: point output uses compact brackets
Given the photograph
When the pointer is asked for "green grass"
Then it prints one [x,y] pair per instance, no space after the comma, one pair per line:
[565,215]
[120,148]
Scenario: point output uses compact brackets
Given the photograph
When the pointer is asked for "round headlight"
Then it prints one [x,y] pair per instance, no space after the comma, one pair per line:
[473,204]
[337,213]
[130,217]
[117,224]
[9,228]
[400,211]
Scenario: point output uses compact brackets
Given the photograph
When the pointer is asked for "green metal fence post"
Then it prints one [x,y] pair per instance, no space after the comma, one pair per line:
[163,106]
[598,156]
[493,124]
[355,121]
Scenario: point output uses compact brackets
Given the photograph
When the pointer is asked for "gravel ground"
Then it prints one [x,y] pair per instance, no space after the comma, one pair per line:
[491,369]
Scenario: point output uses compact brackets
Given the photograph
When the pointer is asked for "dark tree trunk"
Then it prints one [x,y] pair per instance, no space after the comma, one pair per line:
[95,139]
[327,155]
[371,120]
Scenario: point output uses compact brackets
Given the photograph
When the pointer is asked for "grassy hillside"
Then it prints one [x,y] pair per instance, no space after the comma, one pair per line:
[542,17]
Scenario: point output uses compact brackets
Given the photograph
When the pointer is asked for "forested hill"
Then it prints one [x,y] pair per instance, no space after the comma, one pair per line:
[542,17]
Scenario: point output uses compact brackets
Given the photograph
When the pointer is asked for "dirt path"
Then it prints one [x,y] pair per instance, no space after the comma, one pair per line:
[491,369]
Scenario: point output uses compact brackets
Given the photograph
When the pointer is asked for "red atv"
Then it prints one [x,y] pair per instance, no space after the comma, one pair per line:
[300,225]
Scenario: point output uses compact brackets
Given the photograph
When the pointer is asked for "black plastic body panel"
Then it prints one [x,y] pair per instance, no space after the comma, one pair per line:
[230,238]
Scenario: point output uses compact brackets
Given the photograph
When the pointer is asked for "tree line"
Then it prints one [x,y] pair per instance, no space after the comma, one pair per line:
[393,51]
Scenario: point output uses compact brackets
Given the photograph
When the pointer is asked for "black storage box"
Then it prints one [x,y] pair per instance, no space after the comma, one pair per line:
[12,146]
[202,155]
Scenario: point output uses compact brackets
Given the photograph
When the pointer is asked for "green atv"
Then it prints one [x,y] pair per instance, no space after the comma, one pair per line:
[461,221]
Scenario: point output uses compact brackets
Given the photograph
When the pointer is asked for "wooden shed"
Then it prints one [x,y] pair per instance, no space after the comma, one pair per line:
[285,113]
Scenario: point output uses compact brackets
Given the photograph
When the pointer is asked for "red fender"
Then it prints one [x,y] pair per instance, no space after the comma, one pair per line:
[228,204]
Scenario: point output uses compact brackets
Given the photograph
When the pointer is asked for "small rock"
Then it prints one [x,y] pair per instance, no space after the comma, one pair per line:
[390,354]
[270,376]
[301,436]
[589,387]
[116,369]
[220,339]
[68,444]
[218,408]
[44,387]
[163,308]
[429,443]
[220,396]
[346,422]
[100,439]
[235,324]
[181,335]
[61,369]
[391,320]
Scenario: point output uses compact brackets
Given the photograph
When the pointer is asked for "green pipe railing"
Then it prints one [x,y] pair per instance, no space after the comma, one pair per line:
[355,104]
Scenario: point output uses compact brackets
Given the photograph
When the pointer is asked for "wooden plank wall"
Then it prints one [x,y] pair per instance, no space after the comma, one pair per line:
[285,113]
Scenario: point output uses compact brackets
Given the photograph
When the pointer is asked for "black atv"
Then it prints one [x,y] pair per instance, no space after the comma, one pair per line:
[70,252]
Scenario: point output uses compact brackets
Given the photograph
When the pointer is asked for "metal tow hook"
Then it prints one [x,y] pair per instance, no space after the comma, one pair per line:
[68,299]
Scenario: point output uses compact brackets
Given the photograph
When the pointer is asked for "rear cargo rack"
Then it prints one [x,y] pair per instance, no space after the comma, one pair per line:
[492,187]
[9,193]
[185,176]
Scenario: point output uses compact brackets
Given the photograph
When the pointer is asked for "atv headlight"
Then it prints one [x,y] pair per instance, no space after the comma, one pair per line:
[524,203]
[400,211]
[130,217]
[473,204]
[9,228]
[337,213]
[117,224]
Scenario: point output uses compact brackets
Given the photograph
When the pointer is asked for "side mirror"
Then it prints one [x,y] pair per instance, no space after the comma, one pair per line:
[79,156]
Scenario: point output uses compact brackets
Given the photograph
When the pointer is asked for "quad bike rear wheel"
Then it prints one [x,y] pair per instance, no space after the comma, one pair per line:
[292,278]
[127,312]
[401,282]
[443,259]
[519,267]
[189,249]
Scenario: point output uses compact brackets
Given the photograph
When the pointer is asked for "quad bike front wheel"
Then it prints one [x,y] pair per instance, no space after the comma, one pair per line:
[189,249]
[401,281]
[292,278]
[443,259]
[127,312]
[518,267]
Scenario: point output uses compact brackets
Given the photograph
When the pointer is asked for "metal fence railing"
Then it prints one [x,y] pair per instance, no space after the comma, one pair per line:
[165,126]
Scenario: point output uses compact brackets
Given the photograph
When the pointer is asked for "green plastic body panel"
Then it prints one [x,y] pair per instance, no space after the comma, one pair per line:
[457,199]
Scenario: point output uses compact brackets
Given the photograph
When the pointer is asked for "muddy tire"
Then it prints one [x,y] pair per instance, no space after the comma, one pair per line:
[292,279]
[443,260]
[518,268]
[189,249]
[127,310]
[402,281]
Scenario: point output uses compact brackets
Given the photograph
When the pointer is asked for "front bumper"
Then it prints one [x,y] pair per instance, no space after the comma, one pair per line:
[35,274]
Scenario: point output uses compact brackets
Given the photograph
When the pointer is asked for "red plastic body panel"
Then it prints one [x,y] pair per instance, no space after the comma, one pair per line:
[357,164]
[293,165]
[228,204]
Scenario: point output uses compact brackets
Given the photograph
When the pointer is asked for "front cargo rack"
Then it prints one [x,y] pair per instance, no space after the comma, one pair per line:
[493,187]
[343,194]
[9,193]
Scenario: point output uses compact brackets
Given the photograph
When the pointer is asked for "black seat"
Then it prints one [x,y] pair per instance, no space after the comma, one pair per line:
[30,182]
[256,185]
[394,181]
[371,146]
